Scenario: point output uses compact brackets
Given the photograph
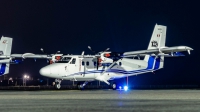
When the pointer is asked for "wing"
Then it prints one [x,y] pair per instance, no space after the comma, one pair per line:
[163,51]
[31,55]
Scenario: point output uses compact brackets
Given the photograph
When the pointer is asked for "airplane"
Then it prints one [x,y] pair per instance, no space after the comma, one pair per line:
[106,66]
[6,58]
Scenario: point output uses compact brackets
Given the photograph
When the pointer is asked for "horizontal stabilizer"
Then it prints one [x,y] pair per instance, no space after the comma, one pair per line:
[166,51]
[175,54]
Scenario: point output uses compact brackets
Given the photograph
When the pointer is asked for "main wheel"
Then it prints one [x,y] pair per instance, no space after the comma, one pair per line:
[114,86]
[57,86]
[78,86]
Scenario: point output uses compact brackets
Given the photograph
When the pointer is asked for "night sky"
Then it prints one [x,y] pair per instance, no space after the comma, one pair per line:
[121,25]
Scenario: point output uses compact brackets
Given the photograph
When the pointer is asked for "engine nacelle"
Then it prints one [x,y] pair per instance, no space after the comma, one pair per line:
[55,58]
[112,55]
[105,60]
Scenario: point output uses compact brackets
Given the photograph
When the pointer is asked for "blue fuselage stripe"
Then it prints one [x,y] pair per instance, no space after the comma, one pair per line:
[150,67]
[150,62]
[2,69]
[157,64]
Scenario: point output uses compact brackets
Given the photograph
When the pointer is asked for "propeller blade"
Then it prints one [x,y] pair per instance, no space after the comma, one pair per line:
[57,52]
[91,49]
[106,49]
[42,50]
[82,53]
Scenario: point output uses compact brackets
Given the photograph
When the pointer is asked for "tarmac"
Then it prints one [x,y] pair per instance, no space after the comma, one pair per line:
[100,101]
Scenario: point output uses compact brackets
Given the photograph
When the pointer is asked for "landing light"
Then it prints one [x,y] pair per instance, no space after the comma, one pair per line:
[125,88]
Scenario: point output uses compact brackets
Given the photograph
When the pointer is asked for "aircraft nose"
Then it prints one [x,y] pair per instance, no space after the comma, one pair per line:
[45,71]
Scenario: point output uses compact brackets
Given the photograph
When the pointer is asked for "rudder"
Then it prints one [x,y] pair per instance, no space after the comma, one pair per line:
[157,41]
[5,49]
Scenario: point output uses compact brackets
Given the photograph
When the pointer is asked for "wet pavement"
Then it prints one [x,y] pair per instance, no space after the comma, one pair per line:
[100,100]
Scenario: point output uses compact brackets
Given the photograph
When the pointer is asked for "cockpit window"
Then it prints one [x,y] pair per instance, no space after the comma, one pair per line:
[73,61]
[64,60]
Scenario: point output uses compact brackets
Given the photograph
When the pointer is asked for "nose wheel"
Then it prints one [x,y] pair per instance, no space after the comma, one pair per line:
[57,83]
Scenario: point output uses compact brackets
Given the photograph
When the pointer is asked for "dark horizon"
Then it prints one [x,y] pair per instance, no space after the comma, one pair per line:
[70,26]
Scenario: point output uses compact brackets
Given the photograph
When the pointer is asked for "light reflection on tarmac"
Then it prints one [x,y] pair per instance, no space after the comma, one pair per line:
[100,100]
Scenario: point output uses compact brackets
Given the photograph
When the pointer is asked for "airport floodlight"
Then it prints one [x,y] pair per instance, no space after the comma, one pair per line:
[25,78]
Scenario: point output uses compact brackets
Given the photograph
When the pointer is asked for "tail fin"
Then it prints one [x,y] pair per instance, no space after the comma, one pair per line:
[6,45]
[158,37]
[157,41]
[5,49]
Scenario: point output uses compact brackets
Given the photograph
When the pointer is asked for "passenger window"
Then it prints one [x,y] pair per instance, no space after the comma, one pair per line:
[120,63]
[87,63]
[83,63]
[73,61]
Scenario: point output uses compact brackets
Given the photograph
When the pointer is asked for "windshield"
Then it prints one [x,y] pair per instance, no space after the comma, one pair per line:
[64,60]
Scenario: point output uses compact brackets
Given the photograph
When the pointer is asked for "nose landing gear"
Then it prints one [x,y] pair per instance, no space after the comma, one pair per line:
[57,83]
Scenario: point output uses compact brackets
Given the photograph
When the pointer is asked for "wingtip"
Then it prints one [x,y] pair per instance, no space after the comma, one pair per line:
[189,48]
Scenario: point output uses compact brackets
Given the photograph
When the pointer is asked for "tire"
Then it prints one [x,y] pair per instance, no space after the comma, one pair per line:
[114,86]
[79,85]
[57,86]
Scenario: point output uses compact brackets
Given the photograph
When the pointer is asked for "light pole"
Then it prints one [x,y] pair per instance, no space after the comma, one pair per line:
[26,77]
[9,80]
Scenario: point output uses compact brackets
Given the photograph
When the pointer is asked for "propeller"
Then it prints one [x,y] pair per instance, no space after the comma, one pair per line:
[48,55]
[43,51]
[98,55]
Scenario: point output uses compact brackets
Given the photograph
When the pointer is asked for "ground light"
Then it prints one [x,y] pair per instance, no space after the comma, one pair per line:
[125,88]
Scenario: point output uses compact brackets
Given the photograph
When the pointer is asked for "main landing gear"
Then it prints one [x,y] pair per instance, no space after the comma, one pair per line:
[57,83]
[114,85]
[81,86]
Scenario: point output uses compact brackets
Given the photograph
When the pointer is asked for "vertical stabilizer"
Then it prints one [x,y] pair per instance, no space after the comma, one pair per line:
[5,45]
[158,37]
[5,49]
[157,41]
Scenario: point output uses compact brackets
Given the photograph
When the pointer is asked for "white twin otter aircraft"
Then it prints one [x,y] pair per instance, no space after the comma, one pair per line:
[105,66]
